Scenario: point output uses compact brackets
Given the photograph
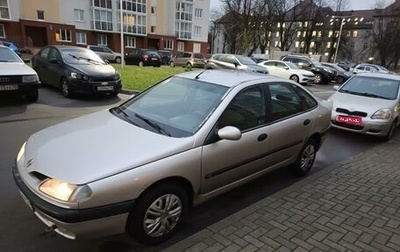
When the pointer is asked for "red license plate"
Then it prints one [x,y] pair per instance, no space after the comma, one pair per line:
[349,120]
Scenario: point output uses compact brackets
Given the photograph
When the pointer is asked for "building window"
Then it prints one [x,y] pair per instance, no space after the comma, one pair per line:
[197,31]
[103,20]
[355,34]
[40,14]
[299,34]
[297,44]
[169,44]
[63,35]
[4,10]
[81,38]
[184,11]
[198,13]
[133,23]
[181,46]
[196,47]
[130,42]
[152,29]
[79,15]
[330,34]
[153,10]
[102,40]
[183,30]
[328,45]
[136,6]
[2,31]
[102,3]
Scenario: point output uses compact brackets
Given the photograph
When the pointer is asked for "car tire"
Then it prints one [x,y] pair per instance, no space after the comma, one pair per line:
[340,80]
[318,78]
[391,131]
[65,88]
[33,96]
[144,223]
[306,158]
[295,78]
[172,64]
[188,65]
[118,60]
[141,64]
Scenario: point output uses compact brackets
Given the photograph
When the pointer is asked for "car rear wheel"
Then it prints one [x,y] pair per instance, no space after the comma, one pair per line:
[340,80]
[306,158]
[141,64]
[157,213]
[172,64]
[118,60]
[65,88]
[318,78]
[294,78]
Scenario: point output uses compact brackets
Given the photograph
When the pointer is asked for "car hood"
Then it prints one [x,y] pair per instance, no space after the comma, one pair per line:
[256,68]
[360,103]
[95,146]
[94,69]
[15,68]
[303,72]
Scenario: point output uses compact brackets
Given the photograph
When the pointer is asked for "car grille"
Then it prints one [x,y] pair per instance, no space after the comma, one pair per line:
[102,79]
[354,113]
[10,79]
[348,126]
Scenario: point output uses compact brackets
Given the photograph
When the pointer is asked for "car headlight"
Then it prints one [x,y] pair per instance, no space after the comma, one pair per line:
[30,78]
[328,70]
[382,114]
[65,191]
[79,76]
[21,152]
[117,75]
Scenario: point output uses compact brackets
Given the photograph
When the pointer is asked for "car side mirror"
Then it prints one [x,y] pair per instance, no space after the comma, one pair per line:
[54,61]
[26,60]
[286,68]
[229,133]
[107,62]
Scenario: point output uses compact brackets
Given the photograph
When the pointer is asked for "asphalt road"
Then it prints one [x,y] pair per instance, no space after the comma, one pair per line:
[22,231]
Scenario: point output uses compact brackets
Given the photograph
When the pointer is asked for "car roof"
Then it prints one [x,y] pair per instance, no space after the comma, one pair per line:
[380,75]
[226,77]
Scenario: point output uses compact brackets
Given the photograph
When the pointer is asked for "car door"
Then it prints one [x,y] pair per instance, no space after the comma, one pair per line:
[271,67]
[283,70]
[227,161]
[107,54]
[55,67]
[40,64]
[130,58]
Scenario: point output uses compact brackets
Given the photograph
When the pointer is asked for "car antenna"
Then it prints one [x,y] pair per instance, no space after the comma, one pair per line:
[197,76]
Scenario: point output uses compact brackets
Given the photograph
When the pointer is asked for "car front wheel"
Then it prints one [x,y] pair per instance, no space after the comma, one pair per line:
[65,88]
[157,213]
[318,78]
[294,78]
[33,96]
[118,60]
[306,158]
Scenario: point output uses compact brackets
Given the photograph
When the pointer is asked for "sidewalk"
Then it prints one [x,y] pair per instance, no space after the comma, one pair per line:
[354,206]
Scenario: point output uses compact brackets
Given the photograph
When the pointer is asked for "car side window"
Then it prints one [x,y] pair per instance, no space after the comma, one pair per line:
[107,50]
[284,101]
[44,53]
[280,65]
[246,110]
[54,55]
[198,55]
[269,63]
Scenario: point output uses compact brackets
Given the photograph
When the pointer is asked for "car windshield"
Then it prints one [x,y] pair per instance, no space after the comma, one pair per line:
[6,55]
[175,107]
[372,87]
[336,67]
[316,63]
[81,57]
[245,60]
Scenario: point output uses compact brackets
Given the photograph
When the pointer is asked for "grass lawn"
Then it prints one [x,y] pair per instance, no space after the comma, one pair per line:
[139,78]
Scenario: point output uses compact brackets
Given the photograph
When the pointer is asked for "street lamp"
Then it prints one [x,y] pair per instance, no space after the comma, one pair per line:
[340,35]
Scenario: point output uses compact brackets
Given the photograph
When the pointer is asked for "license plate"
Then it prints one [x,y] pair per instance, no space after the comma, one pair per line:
[153,58]
[8,87]
[26,201]
[105,88]
[349,120]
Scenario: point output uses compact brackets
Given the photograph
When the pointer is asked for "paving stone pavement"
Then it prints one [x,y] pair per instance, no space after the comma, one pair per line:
[354,206]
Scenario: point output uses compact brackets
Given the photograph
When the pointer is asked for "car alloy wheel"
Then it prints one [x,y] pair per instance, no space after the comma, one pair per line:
[340,80]
[306,158]
[157,214]
[318,78]
[65,89]
[118,60]
[294,78]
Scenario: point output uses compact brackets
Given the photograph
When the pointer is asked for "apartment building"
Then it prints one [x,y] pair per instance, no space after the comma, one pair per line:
[176,25]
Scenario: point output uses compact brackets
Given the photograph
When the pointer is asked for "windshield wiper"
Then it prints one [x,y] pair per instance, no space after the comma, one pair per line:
[364,94]
[87,59]
[126,117]
[153,124]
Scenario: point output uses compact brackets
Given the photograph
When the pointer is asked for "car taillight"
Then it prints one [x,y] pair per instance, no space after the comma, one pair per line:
[145,57]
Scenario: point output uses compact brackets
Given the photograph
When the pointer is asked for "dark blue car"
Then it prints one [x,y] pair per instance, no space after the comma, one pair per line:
[12,47]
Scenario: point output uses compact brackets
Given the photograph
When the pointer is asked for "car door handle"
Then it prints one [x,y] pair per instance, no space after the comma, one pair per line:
[306,122]
[262,137]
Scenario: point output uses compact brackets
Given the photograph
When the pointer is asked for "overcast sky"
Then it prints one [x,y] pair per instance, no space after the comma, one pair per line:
[354,4]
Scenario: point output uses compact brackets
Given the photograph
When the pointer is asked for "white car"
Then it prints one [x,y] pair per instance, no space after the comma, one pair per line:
[288,70]
[368,103]
[140,166]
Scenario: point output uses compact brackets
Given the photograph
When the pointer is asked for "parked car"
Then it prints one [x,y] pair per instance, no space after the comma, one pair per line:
[106,53]
[76,70]
[16,77]
[143,57]
[165,56]
[140,166]
[365,68]
[323,75]
[288,70]
[368,103]
[234,61]
[188,59]
[12,46]
[340,75]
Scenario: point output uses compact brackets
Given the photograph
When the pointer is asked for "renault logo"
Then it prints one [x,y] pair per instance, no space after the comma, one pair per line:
[4,80]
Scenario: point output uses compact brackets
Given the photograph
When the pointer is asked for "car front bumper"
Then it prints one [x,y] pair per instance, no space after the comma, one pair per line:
[76,223]
[95,87]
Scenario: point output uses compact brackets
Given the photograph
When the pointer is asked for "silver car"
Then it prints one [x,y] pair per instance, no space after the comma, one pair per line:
[234,61]
[368,103]
[140,166]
